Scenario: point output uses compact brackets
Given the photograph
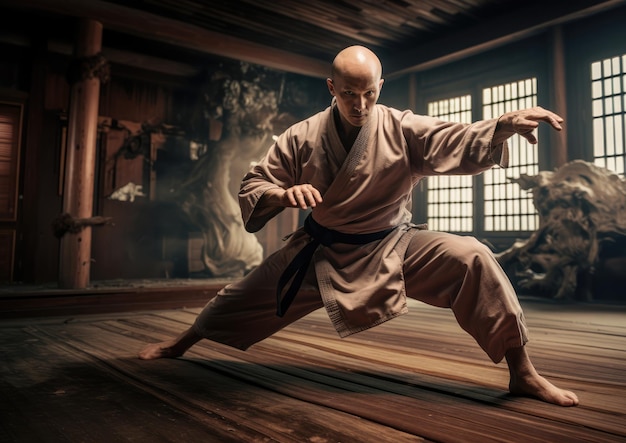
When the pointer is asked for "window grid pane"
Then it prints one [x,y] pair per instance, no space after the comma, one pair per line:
[608,95]
[450,198]
[507,206]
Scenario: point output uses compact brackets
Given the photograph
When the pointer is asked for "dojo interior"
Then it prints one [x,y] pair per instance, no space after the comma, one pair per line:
[125,128]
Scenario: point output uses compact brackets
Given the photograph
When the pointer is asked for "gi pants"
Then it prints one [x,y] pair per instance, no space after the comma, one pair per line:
[440,269]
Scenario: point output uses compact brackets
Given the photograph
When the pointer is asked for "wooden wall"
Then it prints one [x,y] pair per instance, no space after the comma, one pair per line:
[146,239]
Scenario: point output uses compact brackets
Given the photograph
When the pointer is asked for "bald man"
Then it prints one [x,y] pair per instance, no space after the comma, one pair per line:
[354,165]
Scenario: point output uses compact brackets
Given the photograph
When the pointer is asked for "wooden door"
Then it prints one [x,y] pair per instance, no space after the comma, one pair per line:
[11,115]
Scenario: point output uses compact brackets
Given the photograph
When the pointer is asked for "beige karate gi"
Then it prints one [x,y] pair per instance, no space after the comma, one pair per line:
[365,190]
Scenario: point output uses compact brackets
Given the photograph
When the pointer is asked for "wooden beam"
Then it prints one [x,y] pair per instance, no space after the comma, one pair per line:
[145,25]
[136,60]
[558,97]
[492,34]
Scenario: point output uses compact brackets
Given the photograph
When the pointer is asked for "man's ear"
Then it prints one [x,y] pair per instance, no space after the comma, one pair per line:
[380,83]
[331,86]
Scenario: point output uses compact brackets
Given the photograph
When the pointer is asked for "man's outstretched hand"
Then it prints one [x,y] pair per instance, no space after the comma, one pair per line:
[525,121]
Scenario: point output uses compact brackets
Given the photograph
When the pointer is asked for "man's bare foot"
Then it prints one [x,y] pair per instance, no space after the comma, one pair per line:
[527,382]
[170,348]
[165,349]
[538,387]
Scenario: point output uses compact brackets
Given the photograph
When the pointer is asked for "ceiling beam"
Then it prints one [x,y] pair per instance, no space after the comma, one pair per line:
[489,35]
[508,28]
[149,26]
[127,58]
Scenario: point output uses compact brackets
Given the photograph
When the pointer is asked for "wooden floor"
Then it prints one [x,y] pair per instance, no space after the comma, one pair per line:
[106,296]
[415,378]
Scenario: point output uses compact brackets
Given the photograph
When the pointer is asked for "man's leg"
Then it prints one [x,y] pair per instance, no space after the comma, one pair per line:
[243,313]
[461,273]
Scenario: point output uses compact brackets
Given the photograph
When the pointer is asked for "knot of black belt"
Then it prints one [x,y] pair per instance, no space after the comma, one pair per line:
[300,263]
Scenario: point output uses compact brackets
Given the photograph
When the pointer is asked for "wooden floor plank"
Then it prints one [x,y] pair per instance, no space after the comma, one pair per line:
[72,399]
[226,395]
[416,378]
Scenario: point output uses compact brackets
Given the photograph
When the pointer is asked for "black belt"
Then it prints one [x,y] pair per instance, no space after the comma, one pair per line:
[300,263]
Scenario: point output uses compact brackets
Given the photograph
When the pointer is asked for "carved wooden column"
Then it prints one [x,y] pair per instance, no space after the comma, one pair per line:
[85,77]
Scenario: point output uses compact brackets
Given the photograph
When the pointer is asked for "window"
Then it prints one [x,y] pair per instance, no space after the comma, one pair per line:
[507,206]
[452,202]
[608,86]
[450,198]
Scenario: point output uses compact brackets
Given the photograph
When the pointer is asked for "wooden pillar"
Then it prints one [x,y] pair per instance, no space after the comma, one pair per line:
[412,92]
[559,97]
[75,248]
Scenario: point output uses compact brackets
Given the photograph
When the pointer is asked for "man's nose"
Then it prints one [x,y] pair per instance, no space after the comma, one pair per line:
[360,104]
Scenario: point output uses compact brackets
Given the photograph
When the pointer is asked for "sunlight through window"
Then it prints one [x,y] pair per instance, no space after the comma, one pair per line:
[608,86]
[507,206]
[450,198]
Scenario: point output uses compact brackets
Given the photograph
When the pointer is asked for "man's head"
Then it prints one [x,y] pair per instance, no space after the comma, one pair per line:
[356,80]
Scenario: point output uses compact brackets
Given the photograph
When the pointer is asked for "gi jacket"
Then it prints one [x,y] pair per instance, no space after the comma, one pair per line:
[365,189]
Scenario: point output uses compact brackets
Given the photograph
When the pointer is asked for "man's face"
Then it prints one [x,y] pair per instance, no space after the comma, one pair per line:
[356,95]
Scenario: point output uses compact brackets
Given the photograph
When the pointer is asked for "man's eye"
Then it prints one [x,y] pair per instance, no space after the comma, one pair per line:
[348,92]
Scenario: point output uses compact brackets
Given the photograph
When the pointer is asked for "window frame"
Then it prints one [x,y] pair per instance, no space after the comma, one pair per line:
[513,63]
[580,53]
